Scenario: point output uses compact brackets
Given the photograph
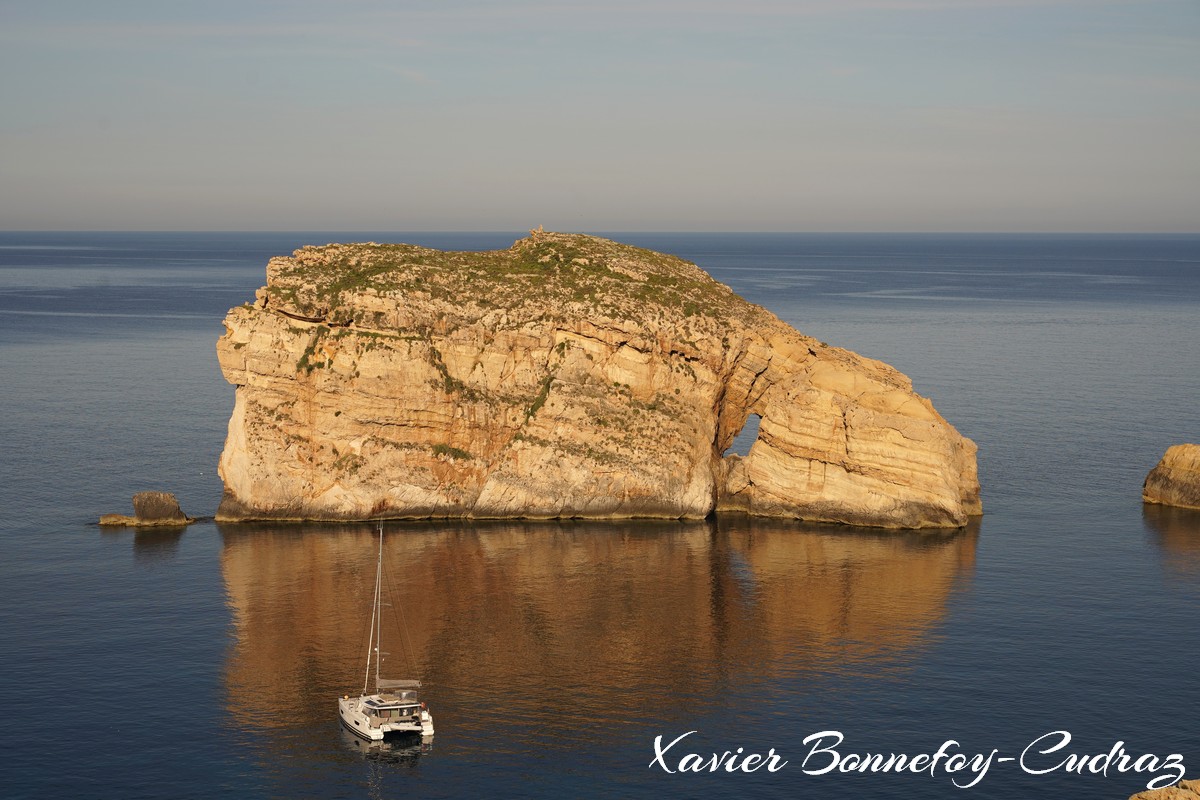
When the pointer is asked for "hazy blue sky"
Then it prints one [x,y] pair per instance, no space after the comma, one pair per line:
[812,115]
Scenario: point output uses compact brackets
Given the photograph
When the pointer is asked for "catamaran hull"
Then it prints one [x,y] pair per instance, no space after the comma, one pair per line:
[358,723]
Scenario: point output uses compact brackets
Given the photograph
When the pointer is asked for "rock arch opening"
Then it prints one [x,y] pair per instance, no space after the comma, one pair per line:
[745,438]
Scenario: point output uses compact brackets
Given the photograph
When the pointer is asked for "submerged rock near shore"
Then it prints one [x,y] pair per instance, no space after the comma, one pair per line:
[1175,481]
[568,376]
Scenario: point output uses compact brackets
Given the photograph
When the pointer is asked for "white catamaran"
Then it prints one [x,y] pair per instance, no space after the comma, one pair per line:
[395,706]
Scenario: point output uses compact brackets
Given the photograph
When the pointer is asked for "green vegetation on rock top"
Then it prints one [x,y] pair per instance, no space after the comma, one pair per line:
[546,274]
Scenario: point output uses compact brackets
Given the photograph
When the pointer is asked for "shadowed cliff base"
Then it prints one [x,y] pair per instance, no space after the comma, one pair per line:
[565,377]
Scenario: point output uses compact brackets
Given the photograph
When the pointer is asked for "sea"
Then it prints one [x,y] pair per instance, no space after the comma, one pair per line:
[1050,649]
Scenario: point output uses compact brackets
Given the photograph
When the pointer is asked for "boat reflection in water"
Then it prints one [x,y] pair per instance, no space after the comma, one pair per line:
[545,635]
[399,750]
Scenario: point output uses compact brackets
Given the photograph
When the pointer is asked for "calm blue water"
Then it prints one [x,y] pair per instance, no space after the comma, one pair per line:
[206,662]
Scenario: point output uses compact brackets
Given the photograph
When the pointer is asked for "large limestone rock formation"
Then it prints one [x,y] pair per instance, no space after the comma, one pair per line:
[568,376]
[1176,479]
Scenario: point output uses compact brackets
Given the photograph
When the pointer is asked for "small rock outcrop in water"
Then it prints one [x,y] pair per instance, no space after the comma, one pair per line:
[1184,790]
[150,509]
[1176,479]
[568,376]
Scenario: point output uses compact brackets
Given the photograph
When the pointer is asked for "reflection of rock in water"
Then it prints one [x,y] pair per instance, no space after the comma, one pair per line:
[825,594]
[555,628]
[1177,532]
[152,545]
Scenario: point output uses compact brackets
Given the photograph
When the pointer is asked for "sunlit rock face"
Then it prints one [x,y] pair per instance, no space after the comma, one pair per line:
[1184,790]
[1175,481]
[568,376]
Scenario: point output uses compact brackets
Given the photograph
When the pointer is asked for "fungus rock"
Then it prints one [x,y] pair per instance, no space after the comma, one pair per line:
[568,376]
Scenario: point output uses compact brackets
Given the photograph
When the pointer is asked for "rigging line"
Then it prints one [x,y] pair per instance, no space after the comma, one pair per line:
[374,635]
[366,638]
[405,637]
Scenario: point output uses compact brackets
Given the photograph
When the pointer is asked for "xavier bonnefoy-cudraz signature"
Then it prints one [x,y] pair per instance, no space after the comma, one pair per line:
[826,752]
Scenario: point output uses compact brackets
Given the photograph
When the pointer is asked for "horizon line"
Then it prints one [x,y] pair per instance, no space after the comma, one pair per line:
[508,231]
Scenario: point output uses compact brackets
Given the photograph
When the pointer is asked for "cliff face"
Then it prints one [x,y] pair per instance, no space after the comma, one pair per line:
[568,376]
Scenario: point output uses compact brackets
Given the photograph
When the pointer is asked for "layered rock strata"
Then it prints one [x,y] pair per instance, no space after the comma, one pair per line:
[1175,481]
[568,376]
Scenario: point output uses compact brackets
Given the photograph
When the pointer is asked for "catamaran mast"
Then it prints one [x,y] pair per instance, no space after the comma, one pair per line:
[378,605]
[376,620]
